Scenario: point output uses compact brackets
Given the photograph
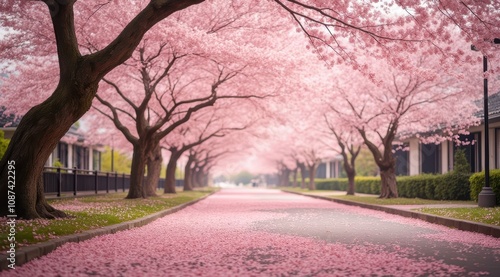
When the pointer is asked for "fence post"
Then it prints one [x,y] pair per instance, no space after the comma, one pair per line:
[107,182]
[59,182]
[123,182]
[116,181]
[74,181]
[95,181]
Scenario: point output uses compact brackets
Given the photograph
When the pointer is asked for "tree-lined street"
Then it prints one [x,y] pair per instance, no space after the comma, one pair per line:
[256,232]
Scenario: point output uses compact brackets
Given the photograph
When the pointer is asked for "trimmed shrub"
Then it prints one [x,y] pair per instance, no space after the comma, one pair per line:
[370,185]
[420,186]
[477,184]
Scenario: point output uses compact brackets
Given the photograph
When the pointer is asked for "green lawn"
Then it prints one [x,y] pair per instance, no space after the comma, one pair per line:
[476,214]
[93,212]
[397,201]
[373,199]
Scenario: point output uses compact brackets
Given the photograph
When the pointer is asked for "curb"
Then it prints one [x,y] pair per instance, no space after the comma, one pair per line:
[30,252]
[464,225]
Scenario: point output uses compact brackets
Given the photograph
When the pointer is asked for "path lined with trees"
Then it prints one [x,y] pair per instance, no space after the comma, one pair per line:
[254,232]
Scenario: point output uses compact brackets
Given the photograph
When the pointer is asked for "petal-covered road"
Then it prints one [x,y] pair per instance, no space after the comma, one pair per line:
[256,232]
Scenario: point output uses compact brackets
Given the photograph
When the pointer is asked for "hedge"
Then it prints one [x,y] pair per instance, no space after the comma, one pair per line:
[477,183]
[450,186]
[454,185]
[370,185]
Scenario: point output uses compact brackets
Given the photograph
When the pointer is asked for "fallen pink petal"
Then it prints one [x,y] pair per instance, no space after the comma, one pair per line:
[256,232]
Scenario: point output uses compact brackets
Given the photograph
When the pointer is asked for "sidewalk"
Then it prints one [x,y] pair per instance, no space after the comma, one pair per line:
[406,211]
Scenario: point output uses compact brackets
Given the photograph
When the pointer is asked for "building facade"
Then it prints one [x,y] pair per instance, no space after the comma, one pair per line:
[439,158]
[72,151]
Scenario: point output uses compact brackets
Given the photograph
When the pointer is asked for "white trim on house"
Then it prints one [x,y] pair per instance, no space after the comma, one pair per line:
[445,151]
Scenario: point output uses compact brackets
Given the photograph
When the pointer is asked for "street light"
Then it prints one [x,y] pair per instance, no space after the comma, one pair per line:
[486,197]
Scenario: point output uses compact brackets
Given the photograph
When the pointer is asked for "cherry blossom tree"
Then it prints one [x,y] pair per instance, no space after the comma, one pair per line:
[206,126]
[79,76]
[349,149]
[335,29]
[398,102]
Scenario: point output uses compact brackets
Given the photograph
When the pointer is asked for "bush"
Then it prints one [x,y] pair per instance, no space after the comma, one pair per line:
[458,180]
[420,186]
[370,185]
[477,183]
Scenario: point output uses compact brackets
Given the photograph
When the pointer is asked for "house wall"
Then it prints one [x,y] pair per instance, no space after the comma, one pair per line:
[445,148]
[8,132]
[90,160]
[330,169]
[447,156]
[414,156]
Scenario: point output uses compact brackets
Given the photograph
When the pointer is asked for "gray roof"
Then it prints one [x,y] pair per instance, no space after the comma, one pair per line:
[12,121]
[8,119]
[493,106]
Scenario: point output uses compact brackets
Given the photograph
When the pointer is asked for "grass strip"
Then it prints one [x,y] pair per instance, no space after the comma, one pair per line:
[475,214]
[93,212]
[374,200]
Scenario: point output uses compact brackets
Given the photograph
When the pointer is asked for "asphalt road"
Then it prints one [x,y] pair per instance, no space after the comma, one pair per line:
[257,232]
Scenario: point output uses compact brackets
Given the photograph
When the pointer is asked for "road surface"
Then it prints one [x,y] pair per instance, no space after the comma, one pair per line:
[258,232]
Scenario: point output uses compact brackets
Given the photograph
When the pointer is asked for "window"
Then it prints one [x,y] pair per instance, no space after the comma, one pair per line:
[430,158]
[402,158]
[321,171]
[62,153]
[96,160]
[472,150]
[80,157]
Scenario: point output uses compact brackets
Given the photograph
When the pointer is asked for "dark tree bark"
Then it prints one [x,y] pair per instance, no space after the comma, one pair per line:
[350,169]
[385,161]
[154,163]
[44,125]
[200,177]
[349,163]
[303,170]
[139,158]
[312,174]
[175,155]
[294,174]
[188,179]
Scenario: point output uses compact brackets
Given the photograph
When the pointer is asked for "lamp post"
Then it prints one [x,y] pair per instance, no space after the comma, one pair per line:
[486,197]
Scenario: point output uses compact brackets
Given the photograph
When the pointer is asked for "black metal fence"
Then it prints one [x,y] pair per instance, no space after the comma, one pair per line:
[59,180]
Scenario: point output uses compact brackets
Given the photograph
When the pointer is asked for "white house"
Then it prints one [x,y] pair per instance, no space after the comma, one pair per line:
[432,158]
[330,168]
[71,151]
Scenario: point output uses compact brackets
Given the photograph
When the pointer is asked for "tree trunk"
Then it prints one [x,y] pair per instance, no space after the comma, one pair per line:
[351,174]
[154,170]
[187,174]
[302,176]
[34,140]
[286,177]
[388,187]
[193,178]
[351,187]
[294,178]
[312,175]
[137,188]
[170,174]
[199,177]
[44,125]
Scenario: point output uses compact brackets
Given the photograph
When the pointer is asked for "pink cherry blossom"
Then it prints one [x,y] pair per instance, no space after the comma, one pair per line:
[237,233]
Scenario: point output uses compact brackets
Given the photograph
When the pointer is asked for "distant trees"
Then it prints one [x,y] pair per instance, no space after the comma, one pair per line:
[121,162]
[4,143]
